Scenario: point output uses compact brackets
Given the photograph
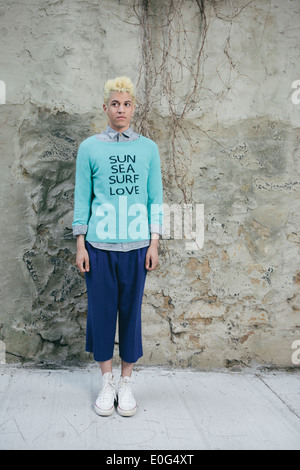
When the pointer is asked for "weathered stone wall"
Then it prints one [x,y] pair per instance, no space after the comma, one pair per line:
[215,91]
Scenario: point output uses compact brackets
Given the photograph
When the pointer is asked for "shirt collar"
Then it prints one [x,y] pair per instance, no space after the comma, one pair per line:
[112,133]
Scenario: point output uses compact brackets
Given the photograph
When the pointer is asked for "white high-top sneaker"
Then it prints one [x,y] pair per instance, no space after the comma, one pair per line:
[104,405]
[126,402]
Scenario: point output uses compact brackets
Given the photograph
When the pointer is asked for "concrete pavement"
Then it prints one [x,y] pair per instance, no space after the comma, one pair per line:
[178,410]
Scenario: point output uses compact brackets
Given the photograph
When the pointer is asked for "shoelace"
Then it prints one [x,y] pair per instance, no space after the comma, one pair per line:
[106,392]
[126,392]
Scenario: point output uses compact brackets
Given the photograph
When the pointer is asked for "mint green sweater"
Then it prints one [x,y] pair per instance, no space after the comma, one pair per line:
[118,190]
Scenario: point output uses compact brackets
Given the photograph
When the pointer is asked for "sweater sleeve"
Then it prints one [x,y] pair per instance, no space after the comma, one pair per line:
[83,191]
[155,194]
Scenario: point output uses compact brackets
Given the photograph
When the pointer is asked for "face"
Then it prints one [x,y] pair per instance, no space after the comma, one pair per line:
[120,109]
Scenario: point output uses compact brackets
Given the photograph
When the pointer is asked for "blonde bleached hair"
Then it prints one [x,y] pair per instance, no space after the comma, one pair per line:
[120,84]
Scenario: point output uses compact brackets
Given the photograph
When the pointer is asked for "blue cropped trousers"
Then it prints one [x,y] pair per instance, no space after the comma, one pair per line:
[115,285]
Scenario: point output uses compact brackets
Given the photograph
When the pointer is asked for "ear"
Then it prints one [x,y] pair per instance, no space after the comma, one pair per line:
[105,108]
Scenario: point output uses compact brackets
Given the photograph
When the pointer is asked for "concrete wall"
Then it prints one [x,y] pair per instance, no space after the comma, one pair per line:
[215,91]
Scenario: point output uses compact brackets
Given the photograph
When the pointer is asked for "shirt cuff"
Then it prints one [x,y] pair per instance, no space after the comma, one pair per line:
[155,228]
[79,230]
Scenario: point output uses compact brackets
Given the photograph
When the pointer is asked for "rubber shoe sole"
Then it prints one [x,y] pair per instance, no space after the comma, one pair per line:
[127,412]
[104,412]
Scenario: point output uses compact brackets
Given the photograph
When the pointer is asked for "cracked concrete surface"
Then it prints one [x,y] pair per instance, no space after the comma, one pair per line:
[177,410]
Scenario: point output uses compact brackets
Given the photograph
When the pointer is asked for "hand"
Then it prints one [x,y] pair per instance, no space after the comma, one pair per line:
[83,260]
[82,256]
[152,256]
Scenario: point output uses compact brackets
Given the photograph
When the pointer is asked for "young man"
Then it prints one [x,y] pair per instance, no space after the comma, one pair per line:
[117,221]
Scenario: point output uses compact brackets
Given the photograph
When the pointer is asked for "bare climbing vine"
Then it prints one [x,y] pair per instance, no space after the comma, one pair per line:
[174,35]
[172,71]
